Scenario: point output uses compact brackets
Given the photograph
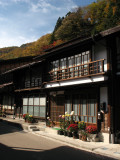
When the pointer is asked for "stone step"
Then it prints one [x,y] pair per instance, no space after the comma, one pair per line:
[35,129]
[32,127]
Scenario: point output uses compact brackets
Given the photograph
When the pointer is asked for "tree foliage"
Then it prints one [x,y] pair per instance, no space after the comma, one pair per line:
[29,49]
[103,14]
[58,24]
[73,25]
[83,21]
[89,20]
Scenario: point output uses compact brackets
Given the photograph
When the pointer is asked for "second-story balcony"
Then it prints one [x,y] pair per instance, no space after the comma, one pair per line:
[83,70]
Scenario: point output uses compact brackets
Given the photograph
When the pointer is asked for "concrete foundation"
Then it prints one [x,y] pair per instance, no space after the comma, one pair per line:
[104,137]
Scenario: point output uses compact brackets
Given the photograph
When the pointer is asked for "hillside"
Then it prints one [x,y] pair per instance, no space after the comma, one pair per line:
[29,49]
[85,21]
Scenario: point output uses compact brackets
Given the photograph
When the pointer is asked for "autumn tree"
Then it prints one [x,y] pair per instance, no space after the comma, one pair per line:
[72,26]
[112,10]
[103,14]
[82,21]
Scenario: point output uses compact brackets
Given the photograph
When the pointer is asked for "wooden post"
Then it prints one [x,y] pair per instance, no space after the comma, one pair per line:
[102,65]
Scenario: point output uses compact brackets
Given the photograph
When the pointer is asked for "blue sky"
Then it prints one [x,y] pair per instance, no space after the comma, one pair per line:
[24,21]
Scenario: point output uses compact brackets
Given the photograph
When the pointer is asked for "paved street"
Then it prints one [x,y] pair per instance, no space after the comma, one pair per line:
[20,145]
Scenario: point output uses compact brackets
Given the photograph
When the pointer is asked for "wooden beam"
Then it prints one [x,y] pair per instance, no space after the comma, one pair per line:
[27,89]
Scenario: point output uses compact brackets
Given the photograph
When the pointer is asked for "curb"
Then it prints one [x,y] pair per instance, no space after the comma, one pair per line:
[81,147]
[62,141]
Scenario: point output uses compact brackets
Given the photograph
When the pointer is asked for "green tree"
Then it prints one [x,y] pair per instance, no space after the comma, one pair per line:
[73,25]
[58,24]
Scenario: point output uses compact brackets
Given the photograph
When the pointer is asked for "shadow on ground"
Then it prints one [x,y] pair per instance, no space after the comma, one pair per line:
[15,127]
[60,153]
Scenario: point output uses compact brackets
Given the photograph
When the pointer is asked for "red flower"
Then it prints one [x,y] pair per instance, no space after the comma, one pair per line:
[91,129]
[73,127]
[24,116]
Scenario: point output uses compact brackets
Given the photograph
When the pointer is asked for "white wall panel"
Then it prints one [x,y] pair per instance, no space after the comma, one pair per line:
[100,52]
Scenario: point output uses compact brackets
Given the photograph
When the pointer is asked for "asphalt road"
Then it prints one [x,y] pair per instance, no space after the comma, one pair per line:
[16,144]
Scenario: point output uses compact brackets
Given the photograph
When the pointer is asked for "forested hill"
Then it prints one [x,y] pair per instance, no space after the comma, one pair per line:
[85,21]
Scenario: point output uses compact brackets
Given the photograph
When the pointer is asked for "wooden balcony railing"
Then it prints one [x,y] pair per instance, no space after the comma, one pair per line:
[83,70]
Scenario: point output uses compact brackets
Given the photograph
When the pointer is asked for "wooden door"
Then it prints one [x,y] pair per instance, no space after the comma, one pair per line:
[56,107]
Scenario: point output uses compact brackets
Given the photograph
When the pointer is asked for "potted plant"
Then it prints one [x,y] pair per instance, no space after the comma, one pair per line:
[92,133]
[30,119]
[81,127]
[61,124]
[66,123]
[48,122]
[84,135]
[25,117]
[72,130]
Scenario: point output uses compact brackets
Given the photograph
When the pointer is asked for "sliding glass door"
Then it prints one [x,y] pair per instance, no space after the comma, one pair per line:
[35,106]
[84,107]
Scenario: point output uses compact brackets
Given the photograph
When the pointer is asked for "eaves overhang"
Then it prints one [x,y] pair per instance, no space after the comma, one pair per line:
[78,42]
[6,84]
[21,67]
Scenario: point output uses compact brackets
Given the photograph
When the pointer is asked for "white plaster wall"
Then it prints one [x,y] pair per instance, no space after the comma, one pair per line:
[104,95]
[77,81]
[99,51]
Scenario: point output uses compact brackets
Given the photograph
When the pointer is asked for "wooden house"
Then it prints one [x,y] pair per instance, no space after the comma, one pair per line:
[7,95]
[81,75]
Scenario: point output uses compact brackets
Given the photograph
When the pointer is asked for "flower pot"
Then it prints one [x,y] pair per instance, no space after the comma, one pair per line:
[60,132]
[84,138]
[75,135]
[80,136]
[93,138]
[65,133]
[26,120]
[69,134]
[29,122]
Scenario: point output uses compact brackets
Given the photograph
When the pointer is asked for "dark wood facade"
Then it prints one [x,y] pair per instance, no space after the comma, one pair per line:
[82,75]
[6,65]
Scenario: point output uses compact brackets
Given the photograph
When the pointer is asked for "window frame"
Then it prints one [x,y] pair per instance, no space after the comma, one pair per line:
[68,67]
[34,105]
